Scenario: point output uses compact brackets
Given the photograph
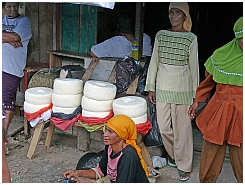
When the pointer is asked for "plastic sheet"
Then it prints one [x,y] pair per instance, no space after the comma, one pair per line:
[34,115]
[95,121]
[64,124]
[143,128]
[109,5]
[67,116]
[158,162]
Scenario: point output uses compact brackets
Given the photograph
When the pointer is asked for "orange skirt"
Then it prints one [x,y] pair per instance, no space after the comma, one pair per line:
[222,118]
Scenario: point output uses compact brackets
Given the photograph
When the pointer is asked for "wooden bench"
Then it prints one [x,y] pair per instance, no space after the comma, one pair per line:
[56,61]
[83,136]
[83,140]
[56,57]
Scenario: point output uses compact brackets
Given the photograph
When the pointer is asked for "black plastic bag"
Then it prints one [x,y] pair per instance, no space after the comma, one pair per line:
[142,79]
[89,160]
[153,137]
[126,71]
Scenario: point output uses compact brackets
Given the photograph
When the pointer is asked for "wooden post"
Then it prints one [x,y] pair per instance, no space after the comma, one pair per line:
[83,139]
[54,61]
[139,25]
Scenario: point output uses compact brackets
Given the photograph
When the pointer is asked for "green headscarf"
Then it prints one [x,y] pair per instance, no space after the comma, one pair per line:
[226,63]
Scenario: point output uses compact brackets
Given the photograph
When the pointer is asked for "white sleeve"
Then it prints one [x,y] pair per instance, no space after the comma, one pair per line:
[23,28]
[147,48]
[194,65]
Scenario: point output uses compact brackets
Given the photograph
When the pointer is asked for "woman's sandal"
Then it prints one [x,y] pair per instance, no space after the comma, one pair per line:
[183,176]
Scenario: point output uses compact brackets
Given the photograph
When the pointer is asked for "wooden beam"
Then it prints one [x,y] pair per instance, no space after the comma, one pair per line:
[133,86]
[112,76]
[90,69]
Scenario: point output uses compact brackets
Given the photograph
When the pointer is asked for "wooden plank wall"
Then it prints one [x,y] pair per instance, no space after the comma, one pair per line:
[88,28]
[70,27]
[41,16]
[79,29]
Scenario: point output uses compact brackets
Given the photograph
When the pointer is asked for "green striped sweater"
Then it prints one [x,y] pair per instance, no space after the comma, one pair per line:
[174,69]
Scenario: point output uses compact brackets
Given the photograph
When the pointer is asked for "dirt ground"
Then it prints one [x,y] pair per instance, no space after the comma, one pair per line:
[48,166]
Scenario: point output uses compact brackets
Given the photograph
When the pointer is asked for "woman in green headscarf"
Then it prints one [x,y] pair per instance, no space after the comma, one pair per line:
[221,122]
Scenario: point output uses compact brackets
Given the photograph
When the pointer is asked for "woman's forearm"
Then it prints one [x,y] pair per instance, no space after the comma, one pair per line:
[10,37]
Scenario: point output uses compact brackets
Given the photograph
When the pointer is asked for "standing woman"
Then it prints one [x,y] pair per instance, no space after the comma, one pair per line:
[221,122]
[172,80]
[16,33]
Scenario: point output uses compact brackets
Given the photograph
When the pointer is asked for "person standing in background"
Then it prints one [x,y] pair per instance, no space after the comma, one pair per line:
[221,122]
[172,80]
[16,33]
[121,46]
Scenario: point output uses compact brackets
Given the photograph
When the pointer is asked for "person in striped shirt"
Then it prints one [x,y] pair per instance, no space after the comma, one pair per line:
[172,80]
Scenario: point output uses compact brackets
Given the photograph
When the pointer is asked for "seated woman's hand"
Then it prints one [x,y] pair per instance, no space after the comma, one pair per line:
[70,174]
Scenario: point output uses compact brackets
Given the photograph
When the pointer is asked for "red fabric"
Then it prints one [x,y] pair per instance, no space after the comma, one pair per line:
[143,128]
[37,114]
[96,121]
[64,124]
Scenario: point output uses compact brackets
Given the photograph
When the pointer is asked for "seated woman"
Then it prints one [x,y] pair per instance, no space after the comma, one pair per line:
[122,160]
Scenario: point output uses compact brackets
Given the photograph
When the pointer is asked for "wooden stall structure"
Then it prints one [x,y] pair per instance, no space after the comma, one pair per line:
[64,33]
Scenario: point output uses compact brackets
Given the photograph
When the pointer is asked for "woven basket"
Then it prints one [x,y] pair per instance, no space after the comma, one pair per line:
[43,78]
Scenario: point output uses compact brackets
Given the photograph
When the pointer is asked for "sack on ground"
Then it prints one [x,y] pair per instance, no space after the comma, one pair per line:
[100,179]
